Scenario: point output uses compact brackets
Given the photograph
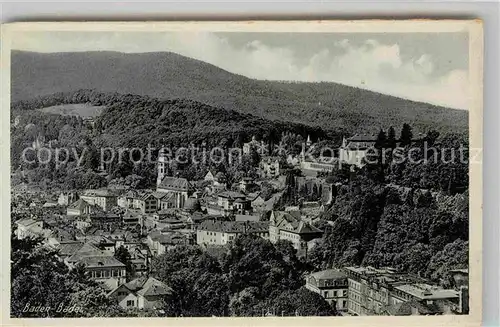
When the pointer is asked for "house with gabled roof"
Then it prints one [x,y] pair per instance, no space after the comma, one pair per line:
[288,225]
[180,188]
[160,242]
[104,198]
[81,207]
[28,228]
[215,232]
[142,293]
[101,265]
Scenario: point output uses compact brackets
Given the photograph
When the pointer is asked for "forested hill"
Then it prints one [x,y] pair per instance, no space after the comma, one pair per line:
[330,106]
[134,120]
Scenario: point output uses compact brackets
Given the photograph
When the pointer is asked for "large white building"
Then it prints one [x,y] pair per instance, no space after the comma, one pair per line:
[288,225]
[353,150]
[211,232]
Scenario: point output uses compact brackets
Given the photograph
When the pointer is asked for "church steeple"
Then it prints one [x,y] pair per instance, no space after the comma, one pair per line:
[308,142]
[162,165]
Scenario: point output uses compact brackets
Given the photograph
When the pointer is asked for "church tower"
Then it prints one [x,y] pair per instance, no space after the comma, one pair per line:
[309,142]
[162,166]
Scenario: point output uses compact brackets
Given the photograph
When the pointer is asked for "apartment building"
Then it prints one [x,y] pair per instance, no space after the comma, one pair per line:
[373,291]
[332,285]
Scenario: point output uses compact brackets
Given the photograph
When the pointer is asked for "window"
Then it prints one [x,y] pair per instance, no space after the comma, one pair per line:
[130,303]
[325,294]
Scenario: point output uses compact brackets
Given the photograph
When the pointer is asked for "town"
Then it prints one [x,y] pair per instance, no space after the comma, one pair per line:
[116,233]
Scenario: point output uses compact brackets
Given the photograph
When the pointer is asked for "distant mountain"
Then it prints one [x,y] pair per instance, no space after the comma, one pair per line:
[331,106]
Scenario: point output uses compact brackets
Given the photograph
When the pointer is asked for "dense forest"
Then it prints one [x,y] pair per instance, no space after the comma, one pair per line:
[331,106]
[135,121]
[132,121]
[388,226]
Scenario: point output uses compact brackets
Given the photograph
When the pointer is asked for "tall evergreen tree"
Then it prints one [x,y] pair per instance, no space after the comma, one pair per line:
[391,138]
[381,141]
[406,135]
[380,145]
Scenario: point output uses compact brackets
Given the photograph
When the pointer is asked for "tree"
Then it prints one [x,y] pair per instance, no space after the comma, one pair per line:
[122,255]
[380,145]
[454,255]
[200,288]
[406,135]
[242,304]
[391,138]
[381,141]
[301,302]
[39,279]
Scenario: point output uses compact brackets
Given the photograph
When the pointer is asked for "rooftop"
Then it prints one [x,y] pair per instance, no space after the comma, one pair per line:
[405,308]
[148,286]
[291,221]
[174,183]
[26,222]
[329,274]
[235,226]
[427,292]
[69,248]
[100,261]
[231,195]
[103,192]
[80,204]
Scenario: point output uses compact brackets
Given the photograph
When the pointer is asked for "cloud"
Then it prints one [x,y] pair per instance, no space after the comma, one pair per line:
[370,65]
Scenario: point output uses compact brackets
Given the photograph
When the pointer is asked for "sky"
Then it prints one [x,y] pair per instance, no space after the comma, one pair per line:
[428,67]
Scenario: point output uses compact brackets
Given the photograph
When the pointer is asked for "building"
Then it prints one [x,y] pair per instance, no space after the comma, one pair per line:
[246,184]
[375,291]
[209,176]
[232,203]
[126,200]
[284,225]
[254,144]
[147,204]
[140,256]
[246,218]
[80,208]
[270,167]
[101,265]
[67,198]
[142,293]
[313,168]
[411,308]
[105,220]
[178,190]
[460,277]
[160,242]
[354,149]
[28,228]
[132,217]
[211,232]
[163,163]
[331,284]
[66,249]
[103,198]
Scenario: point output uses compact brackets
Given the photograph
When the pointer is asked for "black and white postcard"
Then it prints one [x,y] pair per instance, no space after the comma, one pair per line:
[301,173]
